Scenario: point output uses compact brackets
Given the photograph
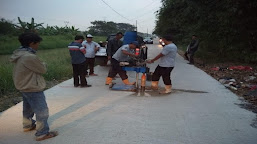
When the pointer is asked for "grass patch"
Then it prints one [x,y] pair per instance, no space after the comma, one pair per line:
[58,68]
[9,43]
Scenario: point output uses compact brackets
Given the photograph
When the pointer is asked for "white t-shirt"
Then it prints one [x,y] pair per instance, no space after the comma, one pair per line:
[90,48]
[169,51]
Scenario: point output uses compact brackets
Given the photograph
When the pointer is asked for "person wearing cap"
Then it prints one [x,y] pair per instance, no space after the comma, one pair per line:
[166,64]
[91,48]
[121,55]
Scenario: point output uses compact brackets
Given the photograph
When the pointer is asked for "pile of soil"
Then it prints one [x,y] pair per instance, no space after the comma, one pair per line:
[242,82]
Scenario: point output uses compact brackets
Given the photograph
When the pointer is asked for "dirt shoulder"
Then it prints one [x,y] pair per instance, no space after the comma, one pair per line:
[240,78]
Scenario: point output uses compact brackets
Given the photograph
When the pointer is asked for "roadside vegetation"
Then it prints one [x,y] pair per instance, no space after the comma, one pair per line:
[227,29]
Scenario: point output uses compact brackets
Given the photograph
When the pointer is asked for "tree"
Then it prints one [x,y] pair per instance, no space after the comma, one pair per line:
[227,28]
[105,28]
[123,27]
[25,26]
[7,27]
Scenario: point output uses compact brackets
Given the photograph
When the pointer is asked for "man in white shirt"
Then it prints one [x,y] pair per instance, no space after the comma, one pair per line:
[167,62]
[91,48]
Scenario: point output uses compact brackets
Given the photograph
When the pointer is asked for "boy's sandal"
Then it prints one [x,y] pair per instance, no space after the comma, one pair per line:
[47,136]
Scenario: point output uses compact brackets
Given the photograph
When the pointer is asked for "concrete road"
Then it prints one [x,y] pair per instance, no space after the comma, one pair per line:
[199,111]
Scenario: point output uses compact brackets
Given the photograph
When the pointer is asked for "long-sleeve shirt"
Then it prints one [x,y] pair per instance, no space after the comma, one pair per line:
[194,45]
[28,71]
[112,46]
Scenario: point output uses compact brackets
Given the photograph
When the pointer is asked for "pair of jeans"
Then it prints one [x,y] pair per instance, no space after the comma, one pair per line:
[35,103]
[163,72]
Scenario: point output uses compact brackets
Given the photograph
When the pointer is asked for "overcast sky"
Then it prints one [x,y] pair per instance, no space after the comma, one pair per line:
[80,13]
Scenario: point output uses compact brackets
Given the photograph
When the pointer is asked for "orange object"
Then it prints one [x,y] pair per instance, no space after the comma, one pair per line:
[143,79]
[137,51]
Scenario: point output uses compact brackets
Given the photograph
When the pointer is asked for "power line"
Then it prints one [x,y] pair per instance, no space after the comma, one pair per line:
[145,13]
[115,10]
[147,5]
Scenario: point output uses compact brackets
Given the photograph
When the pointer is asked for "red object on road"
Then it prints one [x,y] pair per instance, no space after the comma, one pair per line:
[215,68]
[240,68]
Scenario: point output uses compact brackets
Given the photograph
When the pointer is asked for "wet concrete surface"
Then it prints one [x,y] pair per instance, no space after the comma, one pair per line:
[198,111]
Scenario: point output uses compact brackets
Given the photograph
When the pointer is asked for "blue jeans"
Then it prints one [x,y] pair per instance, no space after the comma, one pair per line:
[35,103]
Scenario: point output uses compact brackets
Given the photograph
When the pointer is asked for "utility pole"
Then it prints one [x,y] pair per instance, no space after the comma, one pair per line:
[66,23]
[147,32]
[136,25]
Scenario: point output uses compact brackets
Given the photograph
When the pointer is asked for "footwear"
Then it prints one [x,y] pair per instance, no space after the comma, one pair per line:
[167,90]
[29,129]
[154,86]
[108,81]
[191,63]
[47,136]
[93,74]
[85,86]
[126,82]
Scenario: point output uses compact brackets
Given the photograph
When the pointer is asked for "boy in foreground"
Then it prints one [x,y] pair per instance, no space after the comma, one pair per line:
[28,79]
[165,66]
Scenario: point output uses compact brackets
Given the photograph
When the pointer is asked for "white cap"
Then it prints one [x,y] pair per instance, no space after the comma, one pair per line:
[89,36]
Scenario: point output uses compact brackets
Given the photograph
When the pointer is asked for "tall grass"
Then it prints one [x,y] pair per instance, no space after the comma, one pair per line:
[58,68]
[6,82]
[9,43]
[58,64]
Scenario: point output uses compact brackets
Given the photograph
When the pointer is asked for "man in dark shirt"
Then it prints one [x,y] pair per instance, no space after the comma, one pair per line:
[78,61]
[191,49]
[113,45]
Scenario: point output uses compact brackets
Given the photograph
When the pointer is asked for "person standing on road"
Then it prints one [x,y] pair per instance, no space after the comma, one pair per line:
[191,49]
[91,48]
[78,61]
[28,79]
[167,62]
[113,45]
[121,55]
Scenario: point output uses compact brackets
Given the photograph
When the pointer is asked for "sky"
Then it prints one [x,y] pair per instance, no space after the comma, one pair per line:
[80,13]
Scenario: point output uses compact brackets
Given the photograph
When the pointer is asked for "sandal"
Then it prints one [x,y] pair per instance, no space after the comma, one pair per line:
[47,136]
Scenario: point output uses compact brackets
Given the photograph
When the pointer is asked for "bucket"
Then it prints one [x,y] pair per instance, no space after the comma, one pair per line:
[149,76]
[129,37]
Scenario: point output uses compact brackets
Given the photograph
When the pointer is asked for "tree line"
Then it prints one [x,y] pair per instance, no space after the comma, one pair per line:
[227,29]
[98,28]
